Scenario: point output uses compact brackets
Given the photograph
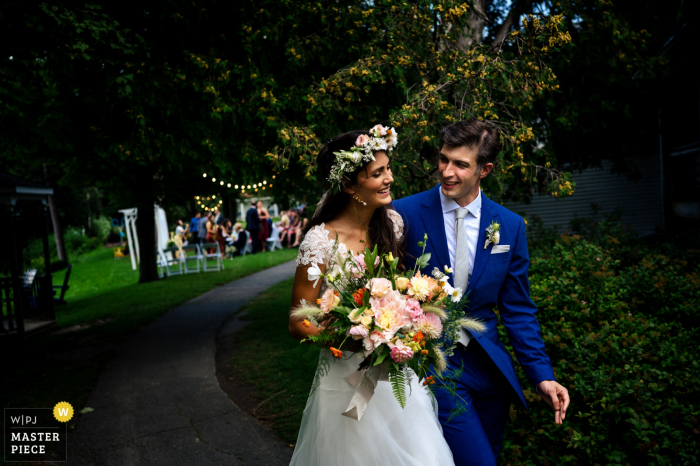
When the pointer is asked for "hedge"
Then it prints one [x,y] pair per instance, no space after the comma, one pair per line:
[620,322]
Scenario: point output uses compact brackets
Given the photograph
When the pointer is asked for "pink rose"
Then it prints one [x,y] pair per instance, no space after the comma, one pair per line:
[379,287]
[358,332]
[401,353]
[378,129]
[362,139]
[414,309]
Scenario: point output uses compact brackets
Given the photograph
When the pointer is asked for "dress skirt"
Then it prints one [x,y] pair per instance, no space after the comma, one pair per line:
[386,434]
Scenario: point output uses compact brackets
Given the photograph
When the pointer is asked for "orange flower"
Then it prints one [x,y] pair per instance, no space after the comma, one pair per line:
[336,353]
[424,352]
[422,343]
[318,301]
[306,323]
[429,380]
[358,296]
[418,337]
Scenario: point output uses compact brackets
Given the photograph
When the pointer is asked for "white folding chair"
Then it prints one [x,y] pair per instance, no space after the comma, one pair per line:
[273,242]
[216,256]
[169,267]
[189,259]
[248,245]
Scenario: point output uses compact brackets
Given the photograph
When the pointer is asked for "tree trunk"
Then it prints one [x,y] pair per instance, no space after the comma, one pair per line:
[474,31]
[146,225]
[57,231]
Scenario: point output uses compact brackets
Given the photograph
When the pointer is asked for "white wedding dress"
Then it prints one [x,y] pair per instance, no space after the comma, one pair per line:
[386,435]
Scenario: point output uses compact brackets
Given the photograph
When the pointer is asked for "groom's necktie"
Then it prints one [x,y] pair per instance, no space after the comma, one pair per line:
[462,261]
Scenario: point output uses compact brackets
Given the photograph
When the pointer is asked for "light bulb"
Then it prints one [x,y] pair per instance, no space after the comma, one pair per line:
[213,179]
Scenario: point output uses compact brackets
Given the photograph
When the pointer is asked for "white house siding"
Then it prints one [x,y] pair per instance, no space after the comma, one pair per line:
[641,202]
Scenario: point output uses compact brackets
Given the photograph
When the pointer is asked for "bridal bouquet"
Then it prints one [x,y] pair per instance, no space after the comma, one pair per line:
[402,320]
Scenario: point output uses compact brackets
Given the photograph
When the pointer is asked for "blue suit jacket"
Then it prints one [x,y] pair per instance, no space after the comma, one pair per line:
[498,280]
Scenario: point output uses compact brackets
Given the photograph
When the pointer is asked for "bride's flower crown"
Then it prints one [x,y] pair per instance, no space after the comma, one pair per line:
[347,161]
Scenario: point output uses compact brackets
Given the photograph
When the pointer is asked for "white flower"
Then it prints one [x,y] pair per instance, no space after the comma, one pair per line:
[456,294]
[437,274]
[448,269]
[314,274]
[355,156]
[496,237]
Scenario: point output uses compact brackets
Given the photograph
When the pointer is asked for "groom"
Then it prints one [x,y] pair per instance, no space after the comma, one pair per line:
[456,215]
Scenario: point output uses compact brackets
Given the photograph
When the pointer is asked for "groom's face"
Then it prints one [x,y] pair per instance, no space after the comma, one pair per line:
[460,176]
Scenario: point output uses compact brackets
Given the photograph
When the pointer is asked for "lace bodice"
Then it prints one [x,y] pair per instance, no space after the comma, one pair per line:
[317,248]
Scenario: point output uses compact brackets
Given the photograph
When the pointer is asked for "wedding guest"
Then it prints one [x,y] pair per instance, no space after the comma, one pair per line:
[181,232]
[239,239]
[296,229]
[264,216]
[222,236]
[284,227]
[194,224]
[211,231]
[253,226]
[218,217]
[202,228]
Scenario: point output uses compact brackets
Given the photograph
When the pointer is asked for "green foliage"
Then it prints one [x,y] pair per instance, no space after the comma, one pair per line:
[629,362]
[100,228]
[398,380]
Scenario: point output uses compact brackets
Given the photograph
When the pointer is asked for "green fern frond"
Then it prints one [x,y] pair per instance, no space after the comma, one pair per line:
[398,383]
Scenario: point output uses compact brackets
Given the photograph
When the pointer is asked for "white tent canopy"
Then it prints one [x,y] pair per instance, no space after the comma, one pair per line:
[130,216]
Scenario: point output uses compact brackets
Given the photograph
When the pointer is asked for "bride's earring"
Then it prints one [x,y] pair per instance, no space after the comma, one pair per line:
[358,199]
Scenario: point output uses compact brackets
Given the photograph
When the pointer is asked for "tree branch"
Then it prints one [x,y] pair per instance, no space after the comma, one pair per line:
[518,8]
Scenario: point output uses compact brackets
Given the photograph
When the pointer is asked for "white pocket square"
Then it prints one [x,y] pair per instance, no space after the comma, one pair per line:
[498,249]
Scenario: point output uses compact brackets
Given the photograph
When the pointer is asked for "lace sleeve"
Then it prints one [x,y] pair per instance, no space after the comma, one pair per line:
[397,223]
[315,248]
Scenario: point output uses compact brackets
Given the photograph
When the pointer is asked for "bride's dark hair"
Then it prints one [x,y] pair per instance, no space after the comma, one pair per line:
[381,231]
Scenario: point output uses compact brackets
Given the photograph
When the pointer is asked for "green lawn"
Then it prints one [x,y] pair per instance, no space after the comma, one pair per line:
[275,364]
[102,287]
[57,367]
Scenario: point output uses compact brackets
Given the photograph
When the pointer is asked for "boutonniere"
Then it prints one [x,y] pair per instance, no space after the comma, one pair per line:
[492,234]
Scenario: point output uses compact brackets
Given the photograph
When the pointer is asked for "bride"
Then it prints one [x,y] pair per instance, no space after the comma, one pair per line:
[355,214]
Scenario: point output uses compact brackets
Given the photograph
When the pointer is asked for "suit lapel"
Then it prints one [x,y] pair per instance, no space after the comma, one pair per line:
[431,215]
[488,214]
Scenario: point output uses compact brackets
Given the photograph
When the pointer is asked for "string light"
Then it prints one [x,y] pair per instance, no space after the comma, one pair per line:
[205,175]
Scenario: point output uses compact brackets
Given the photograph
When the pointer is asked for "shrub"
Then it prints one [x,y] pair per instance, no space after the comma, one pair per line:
[632,371]
[100,228]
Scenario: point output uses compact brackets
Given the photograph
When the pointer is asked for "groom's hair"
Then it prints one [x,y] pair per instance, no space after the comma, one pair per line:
[477,136]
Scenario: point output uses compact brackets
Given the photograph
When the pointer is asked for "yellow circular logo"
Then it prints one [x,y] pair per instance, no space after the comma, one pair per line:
[63,411]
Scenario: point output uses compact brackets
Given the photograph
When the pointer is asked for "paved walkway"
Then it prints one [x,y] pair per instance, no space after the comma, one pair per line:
[159,403]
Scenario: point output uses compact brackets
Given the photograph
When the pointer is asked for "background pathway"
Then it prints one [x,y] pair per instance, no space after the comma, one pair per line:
[159,403]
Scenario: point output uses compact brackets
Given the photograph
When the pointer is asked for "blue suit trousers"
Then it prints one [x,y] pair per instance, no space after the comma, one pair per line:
[475,436]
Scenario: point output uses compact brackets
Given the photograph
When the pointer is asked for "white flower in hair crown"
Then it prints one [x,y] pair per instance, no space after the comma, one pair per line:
[347,161]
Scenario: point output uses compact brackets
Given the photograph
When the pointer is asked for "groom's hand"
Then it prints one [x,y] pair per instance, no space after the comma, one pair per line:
[556,396]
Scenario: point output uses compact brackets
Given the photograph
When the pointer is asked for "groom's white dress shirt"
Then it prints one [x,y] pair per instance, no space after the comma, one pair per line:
[472,222]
